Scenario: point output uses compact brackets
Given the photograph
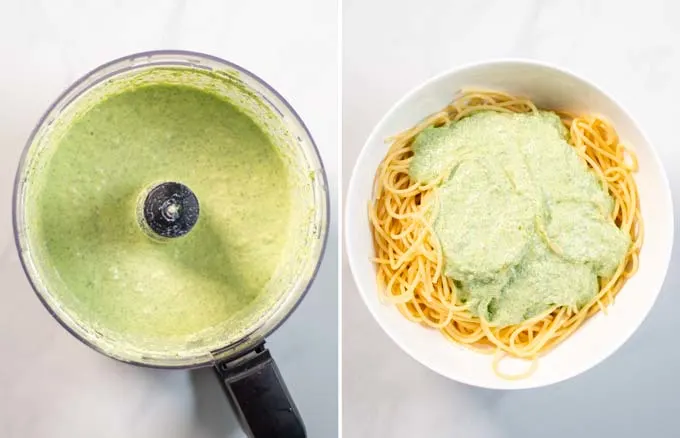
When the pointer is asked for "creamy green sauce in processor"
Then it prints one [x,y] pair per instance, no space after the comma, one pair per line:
[523,223]
[106,269]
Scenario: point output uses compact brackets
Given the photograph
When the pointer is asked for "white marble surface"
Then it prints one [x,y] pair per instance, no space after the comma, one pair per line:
[50,384]
[631,49]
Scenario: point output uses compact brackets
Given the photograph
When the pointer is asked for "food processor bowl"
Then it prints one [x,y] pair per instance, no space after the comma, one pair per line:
[244,366]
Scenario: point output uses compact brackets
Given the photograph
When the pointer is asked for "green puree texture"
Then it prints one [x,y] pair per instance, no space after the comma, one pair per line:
[98,259]
[516,184]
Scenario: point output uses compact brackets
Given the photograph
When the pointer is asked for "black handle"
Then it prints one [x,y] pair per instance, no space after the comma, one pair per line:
[259,396]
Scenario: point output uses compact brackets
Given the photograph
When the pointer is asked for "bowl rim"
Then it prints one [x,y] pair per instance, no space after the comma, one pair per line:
[352,191]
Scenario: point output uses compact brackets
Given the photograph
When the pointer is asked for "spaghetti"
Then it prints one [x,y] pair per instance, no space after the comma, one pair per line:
[409,258]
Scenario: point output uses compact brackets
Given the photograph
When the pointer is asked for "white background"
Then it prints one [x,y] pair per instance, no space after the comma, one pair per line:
[50,384]
[632,50]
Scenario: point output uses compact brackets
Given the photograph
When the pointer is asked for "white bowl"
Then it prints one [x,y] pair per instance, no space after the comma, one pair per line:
[548,87]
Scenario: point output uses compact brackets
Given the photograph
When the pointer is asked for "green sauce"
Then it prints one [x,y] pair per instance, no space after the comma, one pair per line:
[515,185]
[106,270]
